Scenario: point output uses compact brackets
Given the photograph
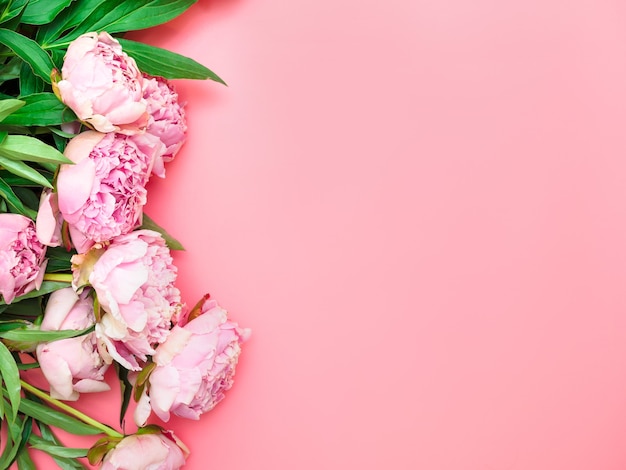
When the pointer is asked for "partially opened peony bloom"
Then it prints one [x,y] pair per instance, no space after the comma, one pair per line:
[134,281]
[194,366]
[157,451]
[102,195]
[71,366]
[103,85]
[22,257]
[167,119]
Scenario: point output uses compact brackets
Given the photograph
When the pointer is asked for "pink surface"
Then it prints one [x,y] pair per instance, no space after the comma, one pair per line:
[419,207]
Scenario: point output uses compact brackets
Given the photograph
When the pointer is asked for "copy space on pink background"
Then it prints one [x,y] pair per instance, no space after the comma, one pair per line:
[419,207]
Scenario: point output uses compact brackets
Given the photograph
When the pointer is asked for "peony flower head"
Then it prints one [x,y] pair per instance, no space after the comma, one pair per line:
[167,119]
[154,451]
[71,366]
[194,366]
[22,257]
[103,193]
[133,278]
[103,85]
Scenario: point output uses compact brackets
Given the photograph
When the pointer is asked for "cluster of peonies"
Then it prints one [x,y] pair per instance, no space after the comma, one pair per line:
[122,276]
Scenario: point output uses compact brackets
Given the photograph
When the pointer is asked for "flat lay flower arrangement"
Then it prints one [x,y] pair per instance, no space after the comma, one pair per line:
[87,282]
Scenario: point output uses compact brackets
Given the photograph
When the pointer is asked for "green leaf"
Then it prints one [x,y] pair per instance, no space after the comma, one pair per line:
[12,10]
[3,135]
[127,390]
[30,149]
[11,325]
[114,16]
[27,430]
[38,336]
[43,11]
[163,63]
[24,462]
[41,109]
[29,51]
[49,437]
[46,288]
[11,379]
[28,197]
[11,198]
[9,106]
[29,82]
[15,434]
[56,418]
[171,242]
[59,451]
[11,69]
[14,180]
[22,169]
[67,19]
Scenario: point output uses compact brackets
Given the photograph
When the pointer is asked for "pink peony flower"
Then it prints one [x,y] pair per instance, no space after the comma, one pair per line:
[102,85]
[49,220]
[194,366]
[22,257]
[71,366]
[102,195]
[167,119]
[134,281]
[158,451]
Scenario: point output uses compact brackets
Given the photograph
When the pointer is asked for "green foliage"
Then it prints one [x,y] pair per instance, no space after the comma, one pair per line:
[156,61]
[29,51]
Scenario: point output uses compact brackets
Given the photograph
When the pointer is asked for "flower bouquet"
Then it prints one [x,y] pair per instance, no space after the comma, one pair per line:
[87,282]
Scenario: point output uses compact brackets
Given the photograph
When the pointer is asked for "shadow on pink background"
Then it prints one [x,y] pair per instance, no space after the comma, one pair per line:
[419,207]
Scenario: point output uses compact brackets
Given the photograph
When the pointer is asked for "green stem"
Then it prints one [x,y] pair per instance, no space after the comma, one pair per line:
[60,277]
[72,411]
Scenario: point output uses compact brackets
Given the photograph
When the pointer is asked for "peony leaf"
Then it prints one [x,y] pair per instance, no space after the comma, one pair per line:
[56,450]
[12,10]
[171,242]
[24,462]
[125,387]
[41,109]
[46,288]
[114,16]
[43,11]
[30,149]
[29,82]
[36,336]
[29,51]
[163,63]
[55,418]
[67,19]
[11,378]
[9,106]
[22,169]
[48,437]
[16,431]
[7,193]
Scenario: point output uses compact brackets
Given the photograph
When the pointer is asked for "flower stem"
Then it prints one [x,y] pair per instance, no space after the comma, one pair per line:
[72,411]
[60,277]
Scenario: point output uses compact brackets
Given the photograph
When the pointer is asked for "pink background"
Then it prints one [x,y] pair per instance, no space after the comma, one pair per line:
[419,207]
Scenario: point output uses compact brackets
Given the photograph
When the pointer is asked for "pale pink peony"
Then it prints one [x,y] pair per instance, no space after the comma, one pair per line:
[167,119]
[194,366]
[49,220]
[22,257]
[133,277]
[103,85]
[157,451]
[103,193]
[71,366]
